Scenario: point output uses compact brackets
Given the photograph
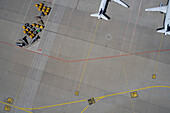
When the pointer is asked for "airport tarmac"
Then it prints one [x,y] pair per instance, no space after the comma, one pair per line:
[106,60]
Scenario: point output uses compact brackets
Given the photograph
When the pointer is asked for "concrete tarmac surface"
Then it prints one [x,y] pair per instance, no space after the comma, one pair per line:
[106,60]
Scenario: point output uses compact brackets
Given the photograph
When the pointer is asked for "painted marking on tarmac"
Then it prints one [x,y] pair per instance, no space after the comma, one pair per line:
[15,107]
[135,25]
[88,106]
[99,58]
[149,87]
[127,85]
[100,97]
[84,109]
[50,106]
[88,55]
[158,54]
[86,59]
[127,26]
[34,47]
[66,28]
[124,71]
[21,83]
[24,19]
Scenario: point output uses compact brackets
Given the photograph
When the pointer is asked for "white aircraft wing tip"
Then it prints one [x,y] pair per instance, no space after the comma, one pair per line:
[121,3]
[161,9]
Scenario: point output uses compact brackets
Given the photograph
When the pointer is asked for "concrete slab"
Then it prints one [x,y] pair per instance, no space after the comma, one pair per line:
[67,36]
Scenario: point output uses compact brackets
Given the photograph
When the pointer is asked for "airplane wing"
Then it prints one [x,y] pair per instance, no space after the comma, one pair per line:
[104,17]
[120,2]
[161,9]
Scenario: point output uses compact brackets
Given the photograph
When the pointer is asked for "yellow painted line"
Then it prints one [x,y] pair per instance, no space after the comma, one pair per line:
[19,89]
[88,56]
[132,91]
[84,109]
[100,97]
[15,107]
[127,85]
[56,105]
[158,54]
[88,106]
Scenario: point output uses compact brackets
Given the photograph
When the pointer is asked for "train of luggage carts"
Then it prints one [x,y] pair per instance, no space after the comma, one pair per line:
[33,30]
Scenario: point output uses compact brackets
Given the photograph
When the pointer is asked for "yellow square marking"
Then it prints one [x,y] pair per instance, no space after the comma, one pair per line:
[7,108]
[153,76]
[10,100]
[91,101]
[77,93]
[134,94]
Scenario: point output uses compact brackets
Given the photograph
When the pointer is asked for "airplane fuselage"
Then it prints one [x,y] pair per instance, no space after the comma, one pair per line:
[167,18]
[102,9]
[102,6]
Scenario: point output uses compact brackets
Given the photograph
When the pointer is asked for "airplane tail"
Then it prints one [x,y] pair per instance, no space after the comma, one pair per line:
[101,16]
[95,15]
[163,31]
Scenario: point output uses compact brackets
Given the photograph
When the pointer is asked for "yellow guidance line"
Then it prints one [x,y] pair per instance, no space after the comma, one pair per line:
[84,109]
[88,106]
[127,85]
[19,90]
[88,56]
[158,54]
[15,107]
[101,97]
[133,91]
[56,105]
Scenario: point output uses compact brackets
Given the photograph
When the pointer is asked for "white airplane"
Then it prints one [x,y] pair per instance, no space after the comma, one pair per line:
[163,9]
[101,14]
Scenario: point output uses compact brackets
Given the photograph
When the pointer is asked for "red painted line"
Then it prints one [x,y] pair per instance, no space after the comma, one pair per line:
[102,57]
[127,26]
[135,24]
[152,51]
[66,28]
[34,52]
[85,59]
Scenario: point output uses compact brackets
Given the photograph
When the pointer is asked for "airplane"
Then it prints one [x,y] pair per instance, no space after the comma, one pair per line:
[102,9]
[163,9]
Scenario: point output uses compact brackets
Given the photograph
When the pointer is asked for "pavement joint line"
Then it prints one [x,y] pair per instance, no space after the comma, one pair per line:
[127,27]
[124,71]
[21,83]
[40,40]
[15,107]
[42,34]
[158,54]
[135,24]
[66,28]
[23,19]
[157,57]
[88,55]
[78,101]
[88,106]
[127,85]
[85,59]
